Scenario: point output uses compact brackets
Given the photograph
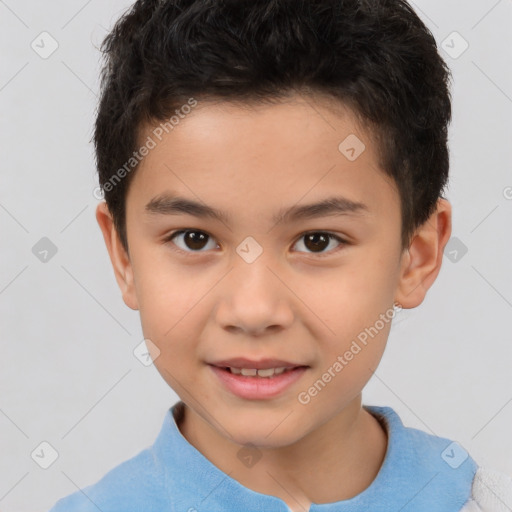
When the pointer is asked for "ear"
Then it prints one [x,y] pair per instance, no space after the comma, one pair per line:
[118,256]
[421,262]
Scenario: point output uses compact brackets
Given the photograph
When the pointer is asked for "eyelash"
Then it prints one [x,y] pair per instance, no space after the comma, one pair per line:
[172,235]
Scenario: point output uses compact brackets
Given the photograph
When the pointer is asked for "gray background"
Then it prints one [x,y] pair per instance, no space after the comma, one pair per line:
[68,375]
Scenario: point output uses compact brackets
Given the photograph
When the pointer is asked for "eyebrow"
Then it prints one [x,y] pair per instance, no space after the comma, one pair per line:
[168,204]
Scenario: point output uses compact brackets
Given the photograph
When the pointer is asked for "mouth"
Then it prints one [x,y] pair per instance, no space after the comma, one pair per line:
[257,380]
[254,372]
[242,363]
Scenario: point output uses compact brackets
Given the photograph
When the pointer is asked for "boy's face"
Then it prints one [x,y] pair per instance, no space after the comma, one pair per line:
[248,286]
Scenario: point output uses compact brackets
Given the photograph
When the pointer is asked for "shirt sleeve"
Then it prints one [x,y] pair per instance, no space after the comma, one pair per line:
[491,492]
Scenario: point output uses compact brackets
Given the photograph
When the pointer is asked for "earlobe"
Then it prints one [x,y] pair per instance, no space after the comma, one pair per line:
[119,258]
[421,262]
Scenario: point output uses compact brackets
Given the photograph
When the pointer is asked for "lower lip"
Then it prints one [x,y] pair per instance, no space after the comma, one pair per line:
[258,388]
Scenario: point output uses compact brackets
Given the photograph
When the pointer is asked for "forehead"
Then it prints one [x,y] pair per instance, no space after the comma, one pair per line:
[254,157]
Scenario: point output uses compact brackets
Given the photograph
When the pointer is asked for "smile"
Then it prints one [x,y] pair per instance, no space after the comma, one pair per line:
[257,384]
[253,372]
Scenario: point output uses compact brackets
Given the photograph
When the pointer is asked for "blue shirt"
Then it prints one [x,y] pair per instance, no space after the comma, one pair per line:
[420,473]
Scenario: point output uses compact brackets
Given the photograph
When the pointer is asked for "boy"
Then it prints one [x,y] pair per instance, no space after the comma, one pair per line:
[267,308]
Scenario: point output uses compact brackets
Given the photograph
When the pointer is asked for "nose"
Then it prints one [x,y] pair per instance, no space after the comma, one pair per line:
[254,299]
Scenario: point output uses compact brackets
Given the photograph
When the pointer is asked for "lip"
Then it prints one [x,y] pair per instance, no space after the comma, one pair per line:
[257,388]
[262,364]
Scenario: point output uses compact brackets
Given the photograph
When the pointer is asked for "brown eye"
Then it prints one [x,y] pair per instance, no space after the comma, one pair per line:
[318,241]
[191,240]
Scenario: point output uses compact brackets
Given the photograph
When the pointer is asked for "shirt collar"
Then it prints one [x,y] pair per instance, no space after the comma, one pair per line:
[418,474]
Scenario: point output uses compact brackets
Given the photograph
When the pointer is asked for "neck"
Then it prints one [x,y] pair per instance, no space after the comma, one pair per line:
[335,462]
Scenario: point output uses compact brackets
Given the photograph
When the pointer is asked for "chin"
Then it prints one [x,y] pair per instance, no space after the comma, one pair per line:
[262,441]
[263,435]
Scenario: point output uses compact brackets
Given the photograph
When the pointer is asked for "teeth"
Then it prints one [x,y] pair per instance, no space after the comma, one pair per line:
[248,371]
[266,373]
[252,372]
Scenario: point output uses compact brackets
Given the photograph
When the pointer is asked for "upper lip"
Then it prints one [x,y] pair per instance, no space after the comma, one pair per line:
[262,364]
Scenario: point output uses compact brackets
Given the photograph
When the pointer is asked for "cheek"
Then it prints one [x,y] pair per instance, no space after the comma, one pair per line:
[165,290]
[169,305]
[170,318]
[357,308]
[343,373]
[352,299]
